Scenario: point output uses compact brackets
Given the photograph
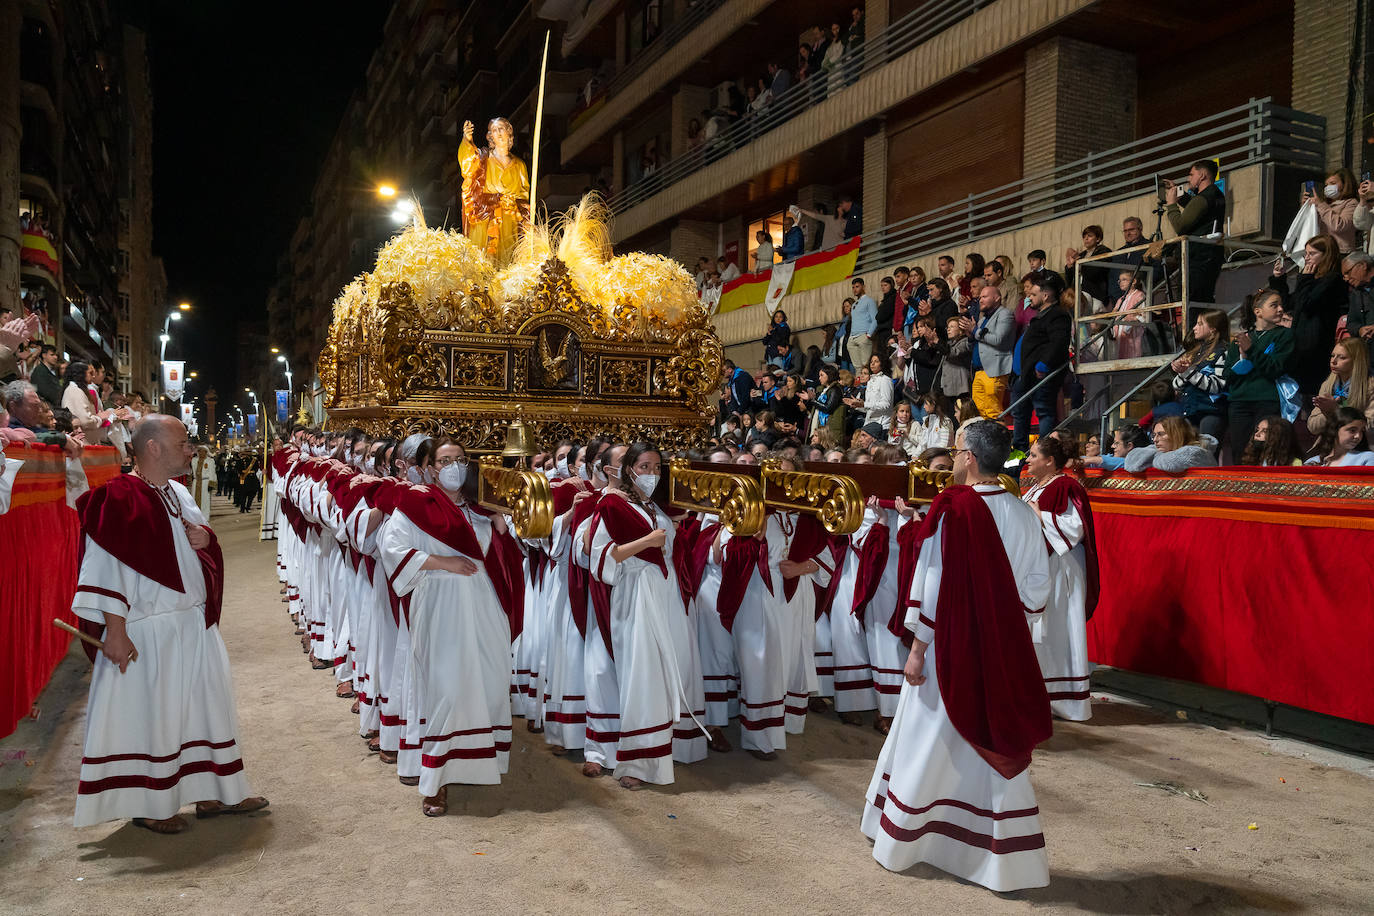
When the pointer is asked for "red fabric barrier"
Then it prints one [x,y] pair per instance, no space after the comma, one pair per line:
[38,541]
[1249,579]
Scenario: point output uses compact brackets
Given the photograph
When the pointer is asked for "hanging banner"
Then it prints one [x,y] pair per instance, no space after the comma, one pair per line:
[283,404]
[252,425]
[779,283]
[188,414]
[173,378]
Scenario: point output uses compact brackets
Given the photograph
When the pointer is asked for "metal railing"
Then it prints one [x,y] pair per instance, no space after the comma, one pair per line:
[1258,131]
[900,37]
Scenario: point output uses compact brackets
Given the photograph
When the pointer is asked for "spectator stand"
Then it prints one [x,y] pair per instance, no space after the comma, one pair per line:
[1245,268]
[1249,579]
[41,537]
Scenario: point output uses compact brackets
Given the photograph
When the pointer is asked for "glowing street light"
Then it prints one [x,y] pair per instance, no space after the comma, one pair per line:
[184,306]
[386,190]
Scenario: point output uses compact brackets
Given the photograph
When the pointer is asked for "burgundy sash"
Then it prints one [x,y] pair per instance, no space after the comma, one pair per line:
[506,569]
[691,562]
[988,674]
[825,597]
[1055,499]
[743,556]
[872,563]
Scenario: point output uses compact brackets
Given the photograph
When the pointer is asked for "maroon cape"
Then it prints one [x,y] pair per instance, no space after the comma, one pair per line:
[625,526]
[129,522]
[872,562]
[985,663]
[1055,499]
[578,578]
[441,518]
[743,557]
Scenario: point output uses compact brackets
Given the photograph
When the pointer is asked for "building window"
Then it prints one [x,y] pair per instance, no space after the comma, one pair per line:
[123,261]
[772,224]
[123,306]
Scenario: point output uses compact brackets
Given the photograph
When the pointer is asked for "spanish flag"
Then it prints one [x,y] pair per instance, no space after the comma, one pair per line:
[36,249]
[812,271]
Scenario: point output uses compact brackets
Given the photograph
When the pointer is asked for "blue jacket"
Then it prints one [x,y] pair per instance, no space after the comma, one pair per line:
[793,244]
[863,317]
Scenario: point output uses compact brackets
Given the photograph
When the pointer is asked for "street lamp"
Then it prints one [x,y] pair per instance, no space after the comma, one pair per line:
[386,190]
[281,358]
[166,335]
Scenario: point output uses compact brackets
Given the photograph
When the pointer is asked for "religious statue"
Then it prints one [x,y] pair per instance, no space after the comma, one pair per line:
[496,190]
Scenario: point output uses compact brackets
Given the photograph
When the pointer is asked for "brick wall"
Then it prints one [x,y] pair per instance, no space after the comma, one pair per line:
[1322,35]
[875,179]
[1080,98]
[690,239]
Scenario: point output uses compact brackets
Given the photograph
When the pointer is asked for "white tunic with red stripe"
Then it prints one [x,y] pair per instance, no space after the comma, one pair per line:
[933,798]
[164,733]
[460,643]
[1061,633]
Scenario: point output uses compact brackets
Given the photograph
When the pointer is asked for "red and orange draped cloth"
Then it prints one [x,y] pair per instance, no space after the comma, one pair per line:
[129,521]
[37,249]
[1246,578]
[985,663]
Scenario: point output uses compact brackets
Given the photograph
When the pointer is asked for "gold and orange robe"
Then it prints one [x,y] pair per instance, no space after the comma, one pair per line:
[495,199]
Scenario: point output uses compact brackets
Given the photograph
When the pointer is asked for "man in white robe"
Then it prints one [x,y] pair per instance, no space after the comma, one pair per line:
[161,727]
[202,479]
[951,787]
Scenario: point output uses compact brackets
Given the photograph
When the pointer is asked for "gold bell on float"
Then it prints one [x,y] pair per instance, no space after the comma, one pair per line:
[519,441]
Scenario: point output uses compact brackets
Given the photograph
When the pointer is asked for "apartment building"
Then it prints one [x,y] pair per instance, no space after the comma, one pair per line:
[75,156]
[954,124]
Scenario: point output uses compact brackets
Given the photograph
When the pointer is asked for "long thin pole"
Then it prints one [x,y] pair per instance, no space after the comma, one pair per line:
[538,130]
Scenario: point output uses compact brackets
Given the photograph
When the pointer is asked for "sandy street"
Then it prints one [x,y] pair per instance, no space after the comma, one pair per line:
[733,835]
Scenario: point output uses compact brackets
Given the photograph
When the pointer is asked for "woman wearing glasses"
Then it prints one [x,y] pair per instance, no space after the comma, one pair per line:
[461,569]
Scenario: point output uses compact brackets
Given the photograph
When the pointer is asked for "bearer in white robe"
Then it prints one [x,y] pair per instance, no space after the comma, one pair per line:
[951,786]
[202,479]
[439,550]
[1060,634]
[161,727]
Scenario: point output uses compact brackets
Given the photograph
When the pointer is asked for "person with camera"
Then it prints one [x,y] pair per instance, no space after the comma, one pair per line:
[1198,210]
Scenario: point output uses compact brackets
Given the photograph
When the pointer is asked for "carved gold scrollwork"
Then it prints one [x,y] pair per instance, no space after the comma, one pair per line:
[734,497]
[523,495]
[1009,484]
[924,484]
[833,498]
[624,376]
[479,369]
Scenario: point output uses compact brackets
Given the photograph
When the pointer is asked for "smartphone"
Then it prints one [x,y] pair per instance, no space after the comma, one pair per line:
[1364,177]
[1310,186]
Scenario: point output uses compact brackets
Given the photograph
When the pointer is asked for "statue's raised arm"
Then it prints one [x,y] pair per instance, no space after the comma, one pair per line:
[496,190]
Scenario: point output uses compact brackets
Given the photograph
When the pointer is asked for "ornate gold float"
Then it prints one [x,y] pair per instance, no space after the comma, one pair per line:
[436,340]
[736,498]
[522,495]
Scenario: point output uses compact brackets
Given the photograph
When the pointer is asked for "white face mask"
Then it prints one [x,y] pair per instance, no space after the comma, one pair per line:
[1331,191]
[584,473]
[453,477]
[561,466]
[413,475]
[646,484]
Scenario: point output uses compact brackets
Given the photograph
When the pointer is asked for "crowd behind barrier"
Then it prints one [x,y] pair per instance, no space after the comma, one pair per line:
[39,588]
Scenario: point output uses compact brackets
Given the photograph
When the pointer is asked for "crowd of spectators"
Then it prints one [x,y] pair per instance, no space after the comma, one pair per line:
[1284,379]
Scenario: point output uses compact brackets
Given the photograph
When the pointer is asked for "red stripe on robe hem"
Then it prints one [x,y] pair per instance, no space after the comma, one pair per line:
[96,786]
[663,750]
[995,845]
[112,758]
[465,753]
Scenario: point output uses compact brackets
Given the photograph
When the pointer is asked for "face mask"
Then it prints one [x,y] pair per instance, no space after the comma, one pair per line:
[413,475]
[562,466]
[583,473]
[646,484]
[1331,191]
[453,477]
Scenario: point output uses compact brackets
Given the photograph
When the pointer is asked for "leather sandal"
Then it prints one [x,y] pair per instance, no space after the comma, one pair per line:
[205,810]
[592,770]
[168,826]
[409,780]
[436,805]
[387,757]
[718,741]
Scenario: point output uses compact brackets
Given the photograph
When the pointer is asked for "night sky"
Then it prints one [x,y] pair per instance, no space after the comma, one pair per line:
[246,99]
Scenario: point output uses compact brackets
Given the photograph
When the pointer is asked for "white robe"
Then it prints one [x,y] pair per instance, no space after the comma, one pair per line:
[853,670]
[201,488]
[933,798]
[763,649]
[886,653]
[641,703]
[460,641]
[719,666]
[798,618]
[1061,632]
[164,733]
[564,701]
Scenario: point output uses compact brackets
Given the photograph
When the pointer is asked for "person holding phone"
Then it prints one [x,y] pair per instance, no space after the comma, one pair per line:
[1335,206]
[1198,213]
[1364,211]
[1256,358]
